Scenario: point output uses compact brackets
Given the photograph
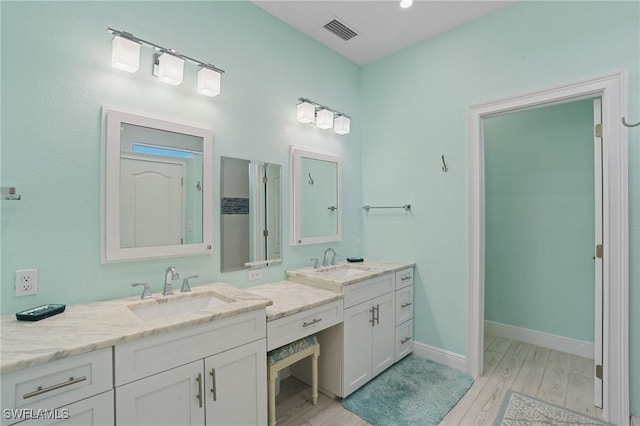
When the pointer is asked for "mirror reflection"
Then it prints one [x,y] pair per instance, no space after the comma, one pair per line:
[157,187]
[316,211]
[160,187]
[319,197]
[250,216]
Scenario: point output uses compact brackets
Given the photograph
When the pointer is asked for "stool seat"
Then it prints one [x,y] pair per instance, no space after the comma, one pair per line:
[283,357]
[290,349]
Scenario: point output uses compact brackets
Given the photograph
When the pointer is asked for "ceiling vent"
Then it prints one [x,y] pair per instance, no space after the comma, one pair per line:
[340,29]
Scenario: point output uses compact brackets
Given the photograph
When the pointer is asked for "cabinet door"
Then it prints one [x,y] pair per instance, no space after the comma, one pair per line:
[94,411]
[170,398]
[236,391]
[383,333]
[357,346]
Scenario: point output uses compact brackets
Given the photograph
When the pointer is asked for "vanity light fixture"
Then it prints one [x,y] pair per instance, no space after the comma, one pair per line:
[170,68]
[125,53]
[323,116]
[325,119]
[342,125]
[168,65]
[208,81]
[306,112]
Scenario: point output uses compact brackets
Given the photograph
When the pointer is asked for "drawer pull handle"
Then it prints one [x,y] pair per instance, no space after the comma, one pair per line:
[377,308]
[404,305]
[405,340]
[42,390]
[199,395]
[213,384]
[315,320]
[373,317]
[408,277]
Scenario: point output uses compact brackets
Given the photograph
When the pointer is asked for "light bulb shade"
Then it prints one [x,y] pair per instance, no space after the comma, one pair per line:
[170,69]
[125,54]
[406,4]
[306,112]
[325,119]
[342,125]
[208,82]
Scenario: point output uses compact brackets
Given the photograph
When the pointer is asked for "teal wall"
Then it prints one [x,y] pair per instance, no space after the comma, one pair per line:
[539,220]
[414,110]
[56,76]
[407,109]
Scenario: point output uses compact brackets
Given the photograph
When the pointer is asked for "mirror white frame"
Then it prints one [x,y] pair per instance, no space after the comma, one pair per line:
[112,119]
[296,154]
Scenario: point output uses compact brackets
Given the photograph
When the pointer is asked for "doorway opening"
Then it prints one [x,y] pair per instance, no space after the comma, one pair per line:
[611,90]
[543,221]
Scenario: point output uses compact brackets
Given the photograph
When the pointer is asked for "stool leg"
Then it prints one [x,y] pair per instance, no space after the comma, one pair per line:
[314,378]
[272,399]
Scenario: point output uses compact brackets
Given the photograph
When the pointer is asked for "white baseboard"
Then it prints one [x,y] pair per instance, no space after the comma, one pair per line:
[441,356]
[538,338]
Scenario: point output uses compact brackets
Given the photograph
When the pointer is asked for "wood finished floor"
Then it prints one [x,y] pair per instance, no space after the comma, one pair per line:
[556,377]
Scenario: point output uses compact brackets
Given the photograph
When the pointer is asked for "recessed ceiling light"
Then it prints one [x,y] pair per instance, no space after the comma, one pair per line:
[406,3]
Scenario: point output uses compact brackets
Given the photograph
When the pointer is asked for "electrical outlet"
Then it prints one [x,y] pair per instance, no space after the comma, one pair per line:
[358,244]
[26,282]
[255,274]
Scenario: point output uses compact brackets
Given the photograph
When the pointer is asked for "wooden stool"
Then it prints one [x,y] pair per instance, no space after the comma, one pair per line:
[283,357]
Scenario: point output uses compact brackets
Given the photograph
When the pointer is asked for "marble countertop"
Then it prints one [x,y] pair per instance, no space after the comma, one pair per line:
[88,327]
[323,278]
[290,298]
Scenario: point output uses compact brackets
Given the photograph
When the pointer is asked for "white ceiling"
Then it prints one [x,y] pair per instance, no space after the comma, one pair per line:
[383,27]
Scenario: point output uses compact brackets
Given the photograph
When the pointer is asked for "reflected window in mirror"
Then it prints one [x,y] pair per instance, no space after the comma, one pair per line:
[316,197]
[250,215]
[157,187]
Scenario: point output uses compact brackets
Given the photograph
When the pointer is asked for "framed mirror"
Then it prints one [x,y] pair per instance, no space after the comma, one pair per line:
[157,189]
[316,203]
[250,214]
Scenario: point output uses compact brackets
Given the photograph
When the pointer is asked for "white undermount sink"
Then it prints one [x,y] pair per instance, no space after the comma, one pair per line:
[162,308]
[342,272]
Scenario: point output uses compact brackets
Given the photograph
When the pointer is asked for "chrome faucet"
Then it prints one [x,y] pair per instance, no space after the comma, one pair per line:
[325,257]
[170,274]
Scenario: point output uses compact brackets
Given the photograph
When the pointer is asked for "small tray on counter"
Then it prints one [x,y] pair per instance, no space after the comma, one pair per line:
[40,312]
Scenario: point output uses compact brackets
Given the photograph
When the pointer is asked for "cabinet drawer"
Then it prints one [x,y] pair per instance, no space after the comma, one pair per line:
[404,304]
[404,340]
[94,411]
[369,289]
[155,354]
[58,383]
[404,278]
[293,327]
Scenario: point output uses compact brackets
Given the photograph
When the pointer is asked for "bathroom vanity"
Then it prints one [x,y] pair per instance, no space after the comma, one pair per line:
[199,358]
[204,366]
[377,330]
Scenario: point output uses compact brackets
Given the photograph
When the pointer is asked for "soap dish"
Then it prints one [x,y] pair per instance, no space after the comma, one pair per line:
[40,312]
[355,259]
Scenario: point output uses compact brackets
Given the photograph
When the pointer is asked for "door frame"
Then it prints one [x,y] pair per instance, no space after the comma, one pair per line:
[612,89]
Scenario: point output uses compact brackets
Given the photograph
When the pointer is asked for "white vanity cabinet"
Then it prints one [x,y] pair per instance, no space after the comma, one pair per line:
[74,390]
[369,330]
[213,374]
[404,314]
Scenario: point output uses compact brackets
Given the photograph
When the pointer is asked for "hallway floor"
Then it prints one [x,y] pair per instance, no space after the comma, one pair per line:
[556,377]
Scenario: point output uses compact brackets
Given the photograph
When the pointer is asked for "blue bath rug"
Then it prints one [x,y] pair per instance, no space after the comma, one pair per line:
[415,391]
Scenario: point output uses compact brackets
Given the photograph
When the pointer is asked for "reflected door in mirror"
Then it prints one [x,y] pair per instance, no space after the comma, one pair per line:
[156,180]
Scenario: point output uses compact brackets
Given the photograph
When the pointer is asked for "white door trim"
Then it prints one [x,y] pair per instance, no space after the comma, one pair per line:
[612,89]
